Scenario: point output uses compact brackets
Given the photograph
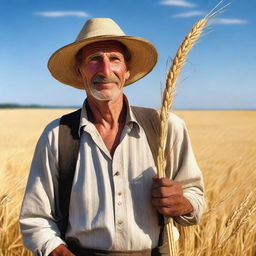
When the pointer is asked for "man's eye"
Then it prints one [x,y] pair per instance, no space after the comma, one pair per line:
[94,59]
[115,58]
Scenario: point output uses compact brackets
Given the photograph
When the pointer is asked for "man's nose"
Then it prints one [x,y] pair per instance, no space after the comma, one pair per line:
[105,66]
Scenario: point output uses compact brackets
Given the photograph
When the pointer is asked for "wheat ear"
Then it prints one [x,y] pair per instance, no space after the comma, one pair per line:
[242,221]
[238,211]
[169,92]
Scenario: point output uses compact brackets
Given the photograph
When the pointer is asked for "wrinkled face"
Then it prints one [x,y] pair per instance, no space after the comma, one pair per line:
[103,70]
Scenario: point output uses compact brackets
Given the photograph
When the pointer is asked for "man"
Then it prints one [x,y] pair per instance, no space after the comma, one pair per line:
[115,195]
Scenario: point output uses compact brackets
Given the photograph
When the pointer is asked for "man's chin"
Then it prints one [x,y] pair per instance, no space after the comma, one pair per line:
[104,96]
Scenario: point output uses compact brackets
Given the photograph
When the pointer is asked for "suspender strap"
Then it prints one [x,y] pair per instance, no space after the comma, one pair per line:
[68,152]
[149,120]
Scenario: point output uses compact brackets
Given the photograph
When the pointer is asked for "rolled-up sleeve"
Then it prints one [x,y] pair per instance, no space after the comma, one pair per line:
[182,167]
[38,218]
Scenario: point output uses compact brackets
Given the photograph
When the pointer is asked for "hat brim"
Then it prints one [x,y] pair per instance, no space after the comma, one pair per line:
[143,59]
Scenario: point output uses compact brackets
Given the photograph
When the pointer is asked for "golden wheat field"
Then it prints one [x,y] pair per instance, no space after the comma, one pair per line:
[225,146]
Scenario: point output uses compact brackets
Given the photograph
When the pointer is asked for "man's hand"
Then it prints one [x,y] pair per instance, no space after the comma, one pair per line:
[61,250]
[167,197]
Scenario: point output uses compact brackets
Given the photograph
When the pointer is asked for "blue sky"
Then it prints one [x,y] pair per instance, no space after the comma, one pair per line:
[220,70]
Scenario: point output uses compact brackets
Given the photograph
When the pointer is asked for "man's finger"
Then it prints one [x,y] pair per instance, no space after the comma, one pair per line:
[163,202]
[161,192]
[164,182]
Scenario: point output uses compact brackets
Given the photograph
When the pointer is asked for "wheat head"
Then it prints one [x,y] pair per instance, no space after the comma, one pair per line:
[169,92]
[237,213]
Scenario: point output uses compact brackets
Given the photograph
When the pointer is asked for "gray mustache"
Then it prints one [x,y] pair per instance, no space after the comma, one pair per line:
[105,79]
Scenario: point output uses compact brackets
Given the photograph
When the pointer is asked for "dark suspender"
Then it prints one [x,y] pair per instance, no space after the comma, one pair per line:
[68,152]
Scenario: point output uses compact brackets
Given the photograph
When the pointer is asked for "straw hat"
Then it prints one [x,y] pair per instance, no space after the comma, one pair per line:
[143,54]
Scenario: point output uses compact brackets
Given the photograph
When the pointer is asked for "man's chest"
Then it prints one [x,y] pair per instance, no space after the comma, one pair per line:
[124,177]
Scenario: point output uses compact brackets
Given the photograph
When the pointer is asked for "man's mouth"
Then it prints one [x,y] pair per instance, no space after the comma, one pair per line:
[109,82]
[105,80]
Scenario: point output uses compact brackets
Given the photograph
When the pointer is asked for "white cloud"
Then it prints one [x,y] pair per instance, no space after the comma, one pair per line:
[189,14]
[226,21]
[58,14]
[182,3]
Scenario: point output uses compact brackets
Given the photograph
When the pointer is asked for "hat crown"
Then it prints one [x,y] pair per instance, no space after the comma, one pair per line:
[99,27]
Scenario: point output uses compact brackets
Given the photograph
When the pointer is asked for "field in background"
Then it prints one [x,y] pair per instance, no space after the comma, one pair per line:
[224,143]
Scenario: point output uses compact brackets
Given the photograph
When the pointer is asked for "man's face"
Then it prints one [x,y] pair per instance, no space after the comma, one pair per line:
[103,70]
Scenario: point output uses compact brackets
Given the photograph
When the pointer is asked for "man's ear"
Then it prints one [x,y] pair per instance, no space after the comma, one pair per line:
[78,73]
[127,75]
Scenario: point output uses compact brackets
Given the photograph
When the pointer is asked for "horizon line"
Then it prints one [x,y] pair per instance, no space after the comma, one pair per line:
[39,106]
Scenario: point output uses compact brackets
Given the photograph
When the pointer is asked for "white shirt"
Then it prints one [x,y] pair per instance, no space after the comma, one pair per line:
[110,206]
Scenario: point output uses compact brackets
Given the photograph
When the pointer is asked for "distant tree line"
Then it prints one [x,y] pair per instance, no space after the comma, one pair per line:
[14,105]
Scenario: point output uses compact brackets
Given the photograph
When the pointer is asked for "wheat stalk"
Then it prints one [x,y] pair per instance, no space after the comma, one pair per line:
[169,92]
[237,213]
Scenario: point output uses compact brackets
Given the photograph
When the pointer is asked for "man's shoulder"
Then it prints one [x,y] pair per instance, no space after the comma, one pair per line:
[176,126]
[176,120]
[143,110]
[51,131]
[53,126]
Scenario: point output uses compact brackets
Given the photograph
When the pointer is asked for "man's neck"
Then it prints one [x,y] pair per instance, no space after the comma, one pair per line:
[109,119]
[107,113]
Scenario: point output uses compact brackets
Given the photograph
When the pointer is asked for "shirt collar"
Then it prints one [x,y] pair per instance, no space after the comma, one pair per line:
[83,118]
[131,121]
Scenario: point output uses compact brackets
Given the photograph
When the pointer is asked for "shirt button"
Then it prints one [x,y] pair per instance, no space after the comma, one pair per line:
[119,203]
[117,173]
[119,193]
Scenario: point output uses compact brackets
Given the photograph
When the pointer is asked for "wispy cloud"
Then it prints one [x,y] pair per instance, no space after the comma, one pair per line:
[189,14]
[226,21]
[58,14]
[182,3]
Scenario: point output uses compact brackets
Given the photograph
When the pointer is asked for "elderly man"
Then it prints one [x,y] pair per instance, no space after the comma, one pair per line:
[113,199]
